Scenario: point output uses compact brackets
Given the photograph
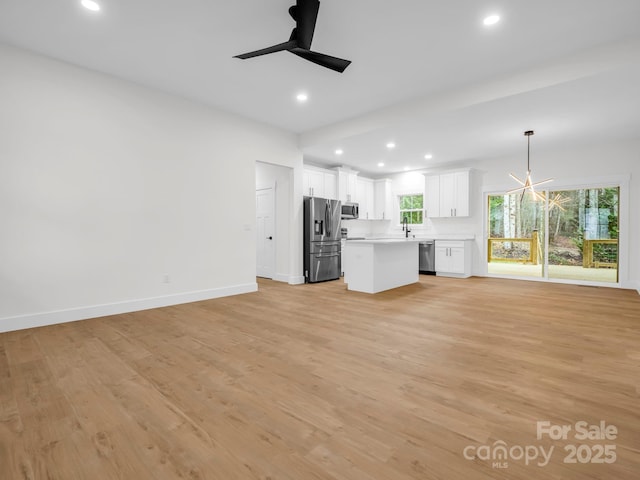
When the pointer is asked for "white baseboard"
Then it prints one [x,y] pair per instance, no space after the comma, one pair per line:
[281,277]
[453,275]
[290,279]
[630,285]
[21,322]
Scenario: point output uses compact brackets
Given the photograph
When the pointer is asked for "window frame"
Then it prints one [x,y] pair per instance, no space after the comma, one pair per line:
[411,210]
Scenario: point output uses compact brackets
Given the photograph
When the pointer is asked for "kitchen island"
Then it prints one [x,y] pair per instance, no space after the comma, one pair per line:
[373,266]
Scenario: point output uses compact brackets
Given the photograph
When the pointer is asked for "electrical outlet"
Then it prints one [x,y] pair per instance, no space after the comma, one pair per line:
[165,278]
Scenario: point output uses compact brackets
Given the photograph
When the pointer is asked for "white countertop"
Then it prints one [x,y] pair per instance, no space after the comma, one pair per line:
[378,241]
[417,238]
[459,236]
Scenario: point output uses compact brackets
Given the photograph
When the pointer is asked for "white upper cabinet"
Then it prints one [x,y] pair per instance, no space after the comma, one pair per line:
[374,197]
[330,185]
[447,194]
[313,183]
[347,185]
[454,194]
[432,196]
[383,200]
[463,194]
[319,183]
[365,198]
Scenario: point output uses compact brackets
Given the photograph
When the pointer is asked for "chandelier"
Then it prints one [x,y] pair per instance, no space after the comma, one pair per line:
[528,185]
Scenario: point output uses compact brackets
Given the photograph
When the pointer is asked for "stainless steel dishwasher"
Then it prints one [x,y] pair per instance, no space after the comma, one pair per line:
[427,256]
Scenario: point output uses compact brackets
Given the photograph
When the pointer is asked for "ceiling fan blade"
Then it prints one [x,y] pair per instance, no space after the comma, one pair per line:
[334,63]
[275,48]
[305,13]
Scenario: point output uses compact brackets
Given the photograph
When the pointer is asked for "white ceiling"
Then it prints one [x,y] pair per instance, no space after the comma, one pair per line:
[425,73]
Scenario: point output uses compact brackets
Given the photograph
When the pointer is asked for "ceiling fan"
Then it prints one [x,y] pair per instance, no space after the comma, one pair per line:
[305,13]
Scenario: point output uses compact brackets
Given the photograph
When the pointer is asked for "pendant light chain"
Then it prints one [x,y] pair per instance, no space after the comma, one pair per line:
[528,153]
[528,133]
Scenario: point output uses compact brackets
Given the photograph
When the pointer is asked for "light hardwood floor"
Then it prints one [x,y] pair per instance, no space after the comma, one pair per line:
[315,382]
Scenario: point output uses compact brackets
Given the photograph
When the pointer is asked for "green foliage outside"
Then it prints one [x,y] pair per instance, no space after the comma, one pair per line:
[514,216]
[411,208]
[598,205]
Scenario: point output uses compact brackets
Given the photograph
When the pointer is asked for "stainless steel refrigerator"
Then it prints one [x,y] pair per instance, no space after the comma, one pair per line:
[322,245]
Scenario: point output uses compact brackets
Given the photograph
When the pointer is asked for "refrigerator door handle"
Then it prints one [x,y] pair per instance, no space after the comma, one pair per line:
[327,217]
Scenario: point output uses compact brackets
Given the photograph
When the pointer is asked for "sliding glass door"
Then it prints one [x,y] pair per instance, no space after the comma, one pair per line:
[516,235]
[583,234]
[582,239]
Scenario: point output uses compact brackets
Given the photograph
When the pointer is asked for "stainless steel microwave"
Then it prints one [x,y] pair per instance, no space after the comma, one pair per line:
[349,210]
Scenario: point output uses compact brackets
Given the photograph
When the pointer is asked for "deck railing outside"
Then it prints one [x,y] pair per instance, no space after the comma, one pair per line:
[534,249]
[587,253]
[588,260]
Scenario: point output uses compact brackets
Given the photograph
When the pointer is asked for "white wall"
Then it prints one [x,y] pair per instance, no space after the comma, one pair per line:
[365,228]
[583,164]
[107,187]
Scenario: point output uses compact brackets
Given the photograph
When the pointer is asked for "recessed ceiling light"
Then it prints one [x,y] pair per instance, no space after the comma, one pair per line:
[339,151]
[91,5]
[381,164]
[428,156]
[391,145]
[491,20]
[302,97]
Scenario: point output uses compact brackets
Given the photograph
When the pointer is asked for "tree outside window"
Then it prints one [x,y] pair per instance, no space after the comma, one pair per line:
[411,207]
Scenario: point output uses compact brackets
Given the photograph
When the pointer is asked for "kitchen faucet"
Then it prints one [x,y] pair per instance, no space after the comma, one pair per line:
[405,227]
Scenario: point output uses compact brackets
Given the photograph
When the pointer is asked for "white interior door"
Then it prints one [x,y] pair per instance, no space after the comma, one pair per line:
[265,226]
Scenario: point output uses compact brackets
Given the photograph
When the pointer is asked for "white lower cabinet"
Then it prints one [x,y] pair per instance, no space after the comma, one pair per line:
[453,258]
